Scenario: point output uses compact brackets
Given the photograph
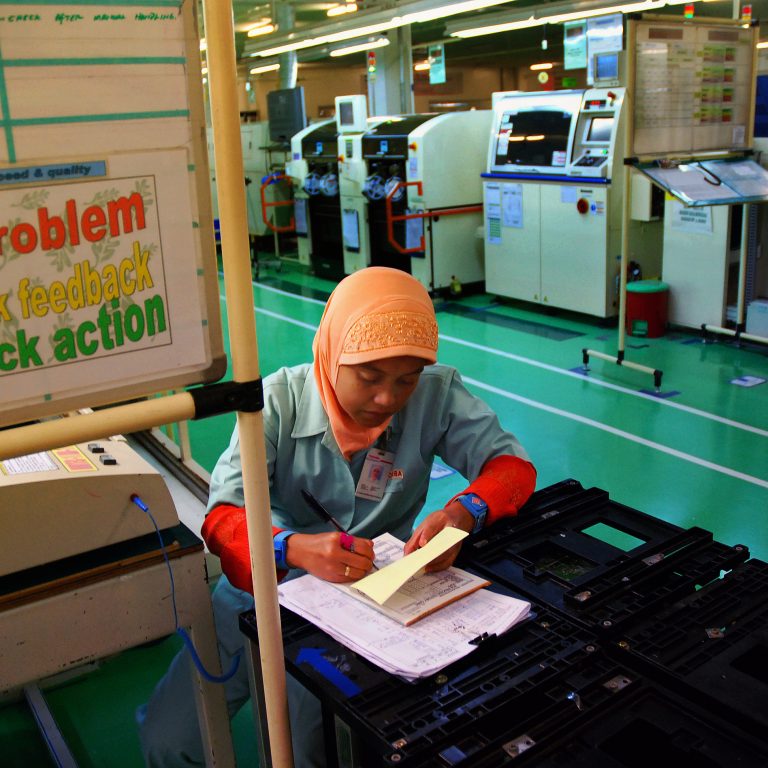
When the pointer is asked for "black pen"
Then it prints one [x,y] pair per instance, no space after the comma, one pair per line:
[316,506]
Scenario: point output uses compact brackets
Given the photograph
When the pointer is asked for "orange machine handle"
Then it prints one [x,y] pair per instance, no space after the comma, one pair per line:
[433,214]
[265,204]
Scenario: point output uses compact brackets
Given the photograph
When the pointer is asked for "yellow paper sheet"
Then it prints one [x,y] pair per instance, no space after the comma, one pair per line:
[381,585]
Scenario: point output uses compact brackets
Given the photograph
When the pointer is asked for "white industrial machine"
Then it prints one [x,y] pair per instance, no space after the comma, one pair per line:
[260,158]
[314,169]
[71,500]
[352,123]
[429,165]
[553,193]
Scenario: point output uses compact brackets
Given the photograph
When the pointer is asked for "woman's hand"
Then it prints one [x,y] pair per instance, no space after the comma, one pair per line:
[453,515]
[322,555]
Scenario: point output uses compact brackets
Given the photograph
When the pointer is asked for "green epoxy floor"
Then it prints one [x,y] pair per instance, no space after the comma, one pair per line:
[696,454]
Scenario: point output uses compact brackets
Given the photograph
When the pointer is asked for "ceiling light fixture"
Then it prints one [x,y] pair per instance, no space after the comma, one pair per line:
[381,21]
[340,10]
[265,68]
[422,66]
[369,46]
[544,65]
[263,28]
[536,21]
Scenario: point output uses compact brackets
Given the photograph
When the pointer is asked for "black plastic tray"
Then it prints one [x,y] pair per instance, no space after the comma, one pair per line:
[713,644]
[396,722]
[601,563]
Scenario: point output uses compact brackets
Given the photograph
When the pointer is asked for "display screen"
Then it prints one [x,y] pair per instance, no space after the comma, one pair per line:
[346,113]
[286,114]
[600,129]
[537,137]
[606,66]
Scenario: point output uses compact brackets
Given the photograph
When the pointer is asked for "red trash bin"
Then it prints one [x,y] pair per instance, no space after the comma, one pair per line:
[647,308]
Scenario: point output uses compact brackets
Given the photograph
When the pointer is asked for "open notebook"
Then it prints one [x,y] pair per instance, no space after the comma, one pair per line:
[405,646]
[401,590]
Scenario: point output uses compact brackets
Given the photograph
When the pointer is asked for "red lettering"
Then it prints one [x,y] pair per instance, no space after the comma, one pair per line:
[92,222]
[26,231]
[48,241]
[74,232]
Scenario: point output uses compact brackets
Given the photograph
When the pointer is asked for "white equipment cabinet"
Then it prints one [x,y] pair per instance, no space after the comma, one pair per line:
[445,155]
[699,254]
[313,168]
[553,201]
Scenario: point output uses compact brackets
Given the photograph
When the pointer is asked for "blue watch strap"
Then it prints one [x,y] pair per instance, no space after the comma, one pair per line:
[476,507]
[279,543]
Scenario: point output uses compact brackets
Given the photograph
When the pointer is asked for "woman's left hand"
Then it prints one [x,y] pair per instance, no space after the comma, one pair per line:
[453,515]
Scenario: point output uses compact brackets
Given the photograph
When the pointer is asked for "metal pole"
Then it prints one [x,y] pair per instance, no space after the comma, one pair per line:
[222,74]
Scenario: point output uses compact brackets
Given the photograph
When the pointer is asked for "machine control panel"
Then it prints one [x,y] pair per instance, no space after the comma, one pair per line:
[80,496]
[596,133]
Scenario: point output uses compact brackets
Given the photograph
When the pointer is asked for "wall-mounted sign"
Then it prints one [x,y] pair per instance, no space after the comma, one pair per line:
[436,58]
[108,280]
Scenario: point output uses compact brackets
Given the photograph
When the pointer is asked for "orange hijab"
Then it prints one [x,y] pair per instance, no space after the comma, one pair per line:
[372,314]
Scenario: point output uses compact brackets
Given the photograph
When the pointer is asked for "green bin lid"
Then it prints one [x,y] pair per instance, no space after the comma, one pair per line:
[647,286]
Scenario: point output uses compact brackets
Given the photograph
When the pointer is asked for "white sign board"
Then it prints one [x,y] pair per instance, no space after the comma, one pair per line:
[108,280]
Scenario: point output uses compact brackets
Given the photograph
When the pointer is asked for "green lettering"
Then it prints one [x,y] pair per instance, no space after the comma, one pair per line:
[27,349]
[6,350]
[87,348]
[154,309]
[134,322]
[64,345]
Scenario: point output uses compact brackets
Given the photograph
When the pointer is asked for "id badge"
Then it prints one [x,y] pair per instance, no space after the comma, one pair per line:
[373,478]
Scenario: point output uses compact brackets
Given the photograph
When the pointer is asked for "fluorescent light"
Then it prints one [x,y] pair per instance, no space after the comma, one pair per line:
[336,37]
[556,18]
[265,68]
[763,44]
[379,21]
[450,10]
[262,29]
[340,10]
[545,65]
[422,66]
[370,45]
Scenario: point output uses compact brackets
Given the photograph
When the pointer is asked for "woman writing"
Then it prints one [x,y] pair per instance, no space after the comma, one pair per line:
[358,429]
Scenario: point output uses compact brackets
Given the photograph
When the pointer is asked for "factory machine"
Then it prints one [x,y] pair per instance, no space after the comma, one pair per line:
[422,196]
[313,167]
[352,123]
[80,496]
[553,192]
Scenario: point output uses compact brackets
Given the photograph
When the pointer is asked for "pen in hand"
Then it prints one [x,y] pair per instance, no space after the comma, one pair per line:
[317,507]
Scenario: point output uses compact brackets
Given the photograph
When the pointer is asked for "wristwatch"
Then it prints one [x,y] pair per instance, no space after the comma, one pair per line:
[279,542]
[476,507]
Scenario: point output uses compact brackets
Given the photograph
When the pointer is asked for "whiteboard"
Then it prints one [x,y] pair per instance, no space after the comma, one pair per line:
[694,86]
[108,274]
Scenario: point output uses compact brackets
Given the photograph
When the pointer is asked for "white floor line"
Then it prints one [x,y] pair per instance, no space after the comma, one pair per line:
[575,417]
[565,372]
[619,433]
[607,385]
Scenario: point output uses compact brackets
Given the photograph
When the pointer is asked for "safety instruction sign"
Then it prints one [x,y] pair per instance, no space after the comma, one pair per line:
[108,279]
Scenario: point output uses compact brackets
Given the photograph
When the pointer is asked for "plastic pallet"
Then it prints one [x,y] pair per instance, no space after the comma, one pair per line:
[551,553]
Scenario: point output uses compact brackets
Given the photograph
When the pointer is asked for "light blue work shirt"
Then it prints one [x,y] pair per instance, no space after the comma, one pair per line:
[441,418]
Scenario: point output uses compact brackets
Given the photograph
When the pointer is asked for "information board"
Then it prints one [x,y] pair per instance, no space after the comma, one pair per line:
[694,86]
[108,275]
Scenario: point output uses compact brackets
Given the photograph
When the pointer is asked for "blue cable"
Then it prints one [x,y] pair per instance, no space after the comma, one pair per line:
[136,499]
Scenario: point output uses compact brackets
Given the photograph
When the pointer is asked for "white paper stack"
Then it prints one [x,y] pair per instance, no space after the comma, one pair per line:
[411,652]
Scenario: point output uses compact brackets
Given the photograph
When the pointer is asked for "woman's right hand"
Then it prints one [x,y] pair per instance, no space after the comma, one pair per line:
[322,555]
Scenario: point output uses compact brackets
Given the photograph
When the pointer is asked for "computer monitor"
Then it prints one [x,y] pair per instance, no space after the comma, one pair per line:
[351,114]
[286,114]
[607,69]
